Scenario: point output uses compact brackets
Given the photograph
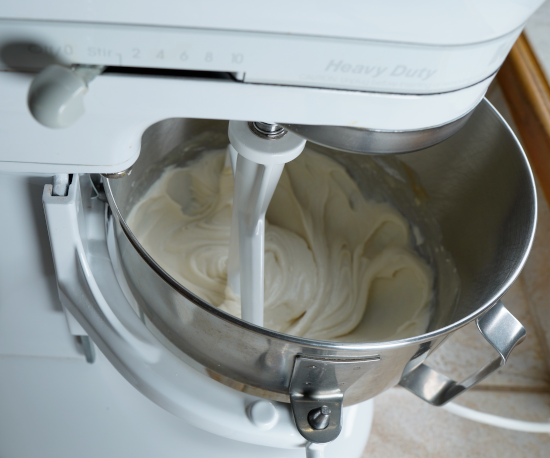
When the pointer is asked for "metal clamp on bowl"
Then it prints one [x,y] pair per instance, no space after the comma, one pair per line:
[317,394]
[500,328]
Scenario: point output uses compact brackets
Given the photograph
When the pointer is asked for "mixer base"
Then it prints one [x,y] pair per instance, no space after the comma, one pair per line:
[64,407]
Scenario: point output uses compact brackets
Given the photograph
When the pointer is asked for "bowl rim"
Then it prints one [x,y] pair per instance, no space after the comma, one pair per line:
[360,347]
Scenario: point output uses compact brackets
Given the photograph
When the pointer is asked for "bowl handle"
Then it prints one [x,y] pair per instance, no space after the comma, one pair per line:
[500,328]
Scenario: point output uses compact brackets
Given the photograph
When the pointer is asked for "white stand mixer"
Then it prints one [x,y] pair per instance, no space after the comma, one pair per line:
[395,70]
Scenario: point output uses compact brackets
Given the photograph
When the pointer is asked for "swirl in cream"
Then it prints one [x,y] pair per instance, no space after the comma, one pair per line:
[337,266]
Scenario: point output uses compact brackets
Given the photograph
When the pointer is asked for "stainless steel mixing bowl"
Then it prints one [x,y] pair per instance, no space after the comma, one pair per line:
[473,193]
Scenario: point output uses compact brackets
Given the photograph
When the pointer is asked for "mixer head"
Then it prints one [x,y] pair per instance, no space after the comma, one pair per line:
[53,105]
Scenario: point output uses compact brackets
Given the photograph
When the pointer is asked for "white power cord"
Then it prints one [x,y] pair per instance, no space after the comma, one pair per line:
[495,420]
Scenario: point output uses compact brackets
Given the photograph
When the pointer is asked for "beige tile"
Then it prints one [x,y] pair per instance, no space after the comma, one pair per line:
[407,427]
[465,350]
[536,275]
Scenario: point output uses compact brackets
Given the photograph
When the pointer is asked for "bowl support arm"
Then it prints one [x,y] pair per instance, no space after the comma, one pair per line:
[317,392]
[500,328]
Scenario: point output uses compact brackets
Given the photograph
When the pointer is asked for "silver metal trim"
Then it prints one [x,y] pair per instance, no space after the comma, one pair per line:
[267,131]
[371,141]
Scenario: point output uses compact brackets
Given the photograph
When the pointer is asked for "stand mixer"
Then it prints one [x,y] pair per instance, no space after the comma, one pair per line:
[380,79]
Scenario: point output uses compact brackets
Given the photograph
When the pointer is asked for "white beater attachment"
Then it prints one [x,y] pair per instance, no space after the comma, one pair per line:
[259,152]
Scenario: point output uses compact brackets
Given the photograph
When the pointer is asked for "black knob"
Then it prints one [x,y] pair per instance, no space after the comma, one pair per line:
[318,418]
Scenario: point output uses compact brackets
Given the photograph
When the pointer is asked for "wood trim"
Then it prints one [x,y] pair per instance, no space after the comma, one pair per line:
[528,95]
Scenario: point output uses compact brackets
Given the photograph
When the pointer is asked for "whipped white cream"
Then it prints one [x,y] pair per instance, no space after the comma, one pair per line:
[337,266]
